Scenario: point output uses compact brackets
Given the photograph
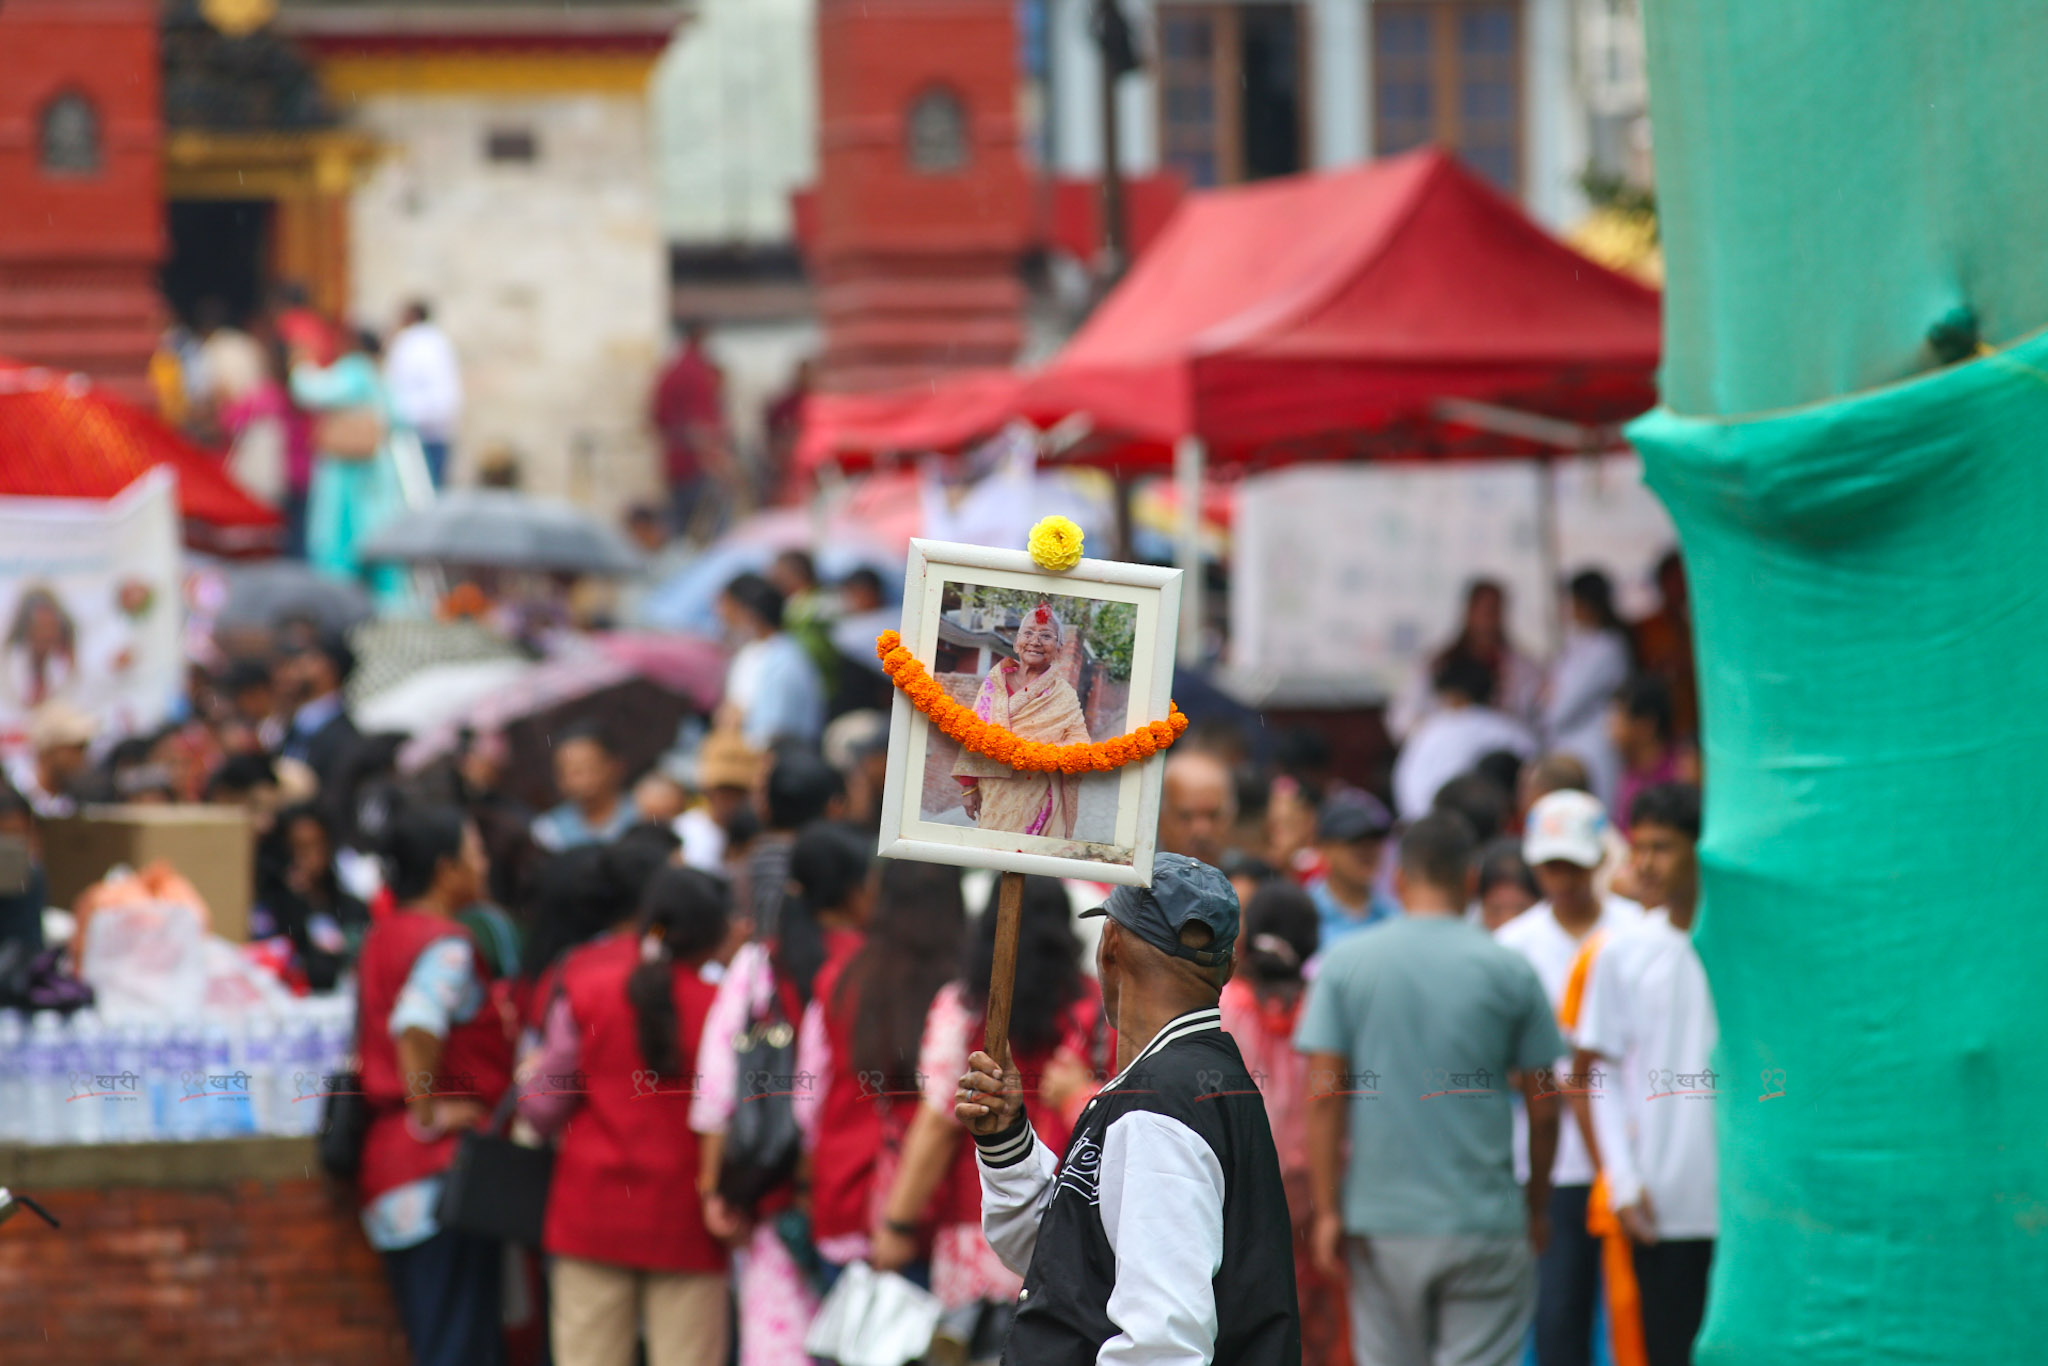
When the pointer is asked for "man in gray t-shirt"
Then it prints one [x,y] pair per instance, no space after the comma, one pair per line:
[1417,1030]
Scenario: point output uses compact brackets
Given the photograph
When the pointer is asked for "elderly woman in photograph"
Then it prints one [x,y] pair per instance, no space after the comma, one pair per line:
[1028,699]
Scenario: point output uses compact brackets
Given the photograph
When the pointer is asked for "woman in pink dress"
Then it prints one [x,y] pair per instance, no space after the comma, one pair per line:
[859,1045]
[936,1194]
[829,866]
[1645,735]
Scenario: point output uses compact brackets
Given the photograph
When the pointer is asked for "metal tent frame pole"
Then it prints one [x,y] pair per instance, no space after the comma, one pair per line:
[1562,438]
[1190,457]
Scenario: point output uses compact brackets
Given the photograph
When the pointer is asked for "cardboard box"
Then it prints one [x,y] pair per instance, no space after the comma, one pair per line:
[212,847]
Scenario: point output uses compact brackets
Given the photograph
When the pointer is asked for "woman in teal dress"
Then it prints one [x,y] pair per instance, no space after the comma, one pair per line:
[351,496]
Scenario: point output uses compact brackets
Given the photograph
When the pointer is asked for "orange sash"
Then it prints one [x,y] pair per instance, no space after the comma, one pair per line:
[1617,1262]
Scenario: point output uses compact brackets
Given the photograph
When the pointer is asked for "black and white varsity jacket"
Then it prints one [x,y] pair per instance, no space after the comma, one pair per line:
[1162,1235]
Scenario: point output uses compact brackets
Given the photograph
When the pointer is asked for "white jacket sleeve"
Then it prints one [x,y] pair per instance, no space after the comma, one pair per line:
[1016,1185]
[1162,1210]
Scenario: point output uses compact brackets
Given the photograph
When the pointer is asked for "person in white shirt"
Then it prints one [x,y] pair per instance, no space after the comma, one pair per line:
[1518,682]
[60,740]
[1596,660]
[724,774]
[425,382]
[1463,730]
[232,361]
[1564,844]
[1648,1019]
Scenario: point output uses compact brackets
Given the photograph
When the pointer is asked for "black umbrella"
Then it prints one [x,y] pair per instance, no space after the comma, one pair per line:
[502,529]
[264,595]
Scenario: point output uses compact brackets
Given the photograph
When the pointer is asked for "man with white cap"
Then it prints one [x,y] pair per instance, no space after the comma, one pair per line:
[61,736]
[1565,843]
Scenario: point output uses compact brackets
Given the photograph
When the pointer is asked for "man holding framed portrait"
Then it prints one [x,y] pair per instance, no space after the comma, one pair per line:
[1030,729]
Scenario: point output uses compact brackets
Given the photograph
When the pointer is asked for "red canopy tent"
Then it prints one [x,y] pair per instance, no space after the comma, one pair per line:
[60,437]
[1310,316]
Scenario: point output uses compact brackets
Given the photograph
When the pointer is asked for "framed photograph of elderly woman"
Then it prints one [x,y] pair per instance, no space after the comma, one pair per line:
[1060,659]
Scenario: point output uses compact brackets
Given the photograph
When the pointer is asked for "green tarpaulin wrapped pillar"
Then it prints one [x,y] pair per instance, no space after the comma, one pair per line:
[1867,535]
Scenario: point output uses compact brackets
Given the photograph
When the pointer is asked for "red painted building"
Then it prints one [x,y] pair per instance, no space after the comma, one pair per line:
[81,201]
[923,202]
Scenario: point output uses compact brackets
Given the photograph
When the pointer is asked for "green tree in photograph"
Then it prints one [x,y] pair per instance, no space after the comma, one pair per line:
[1108,629]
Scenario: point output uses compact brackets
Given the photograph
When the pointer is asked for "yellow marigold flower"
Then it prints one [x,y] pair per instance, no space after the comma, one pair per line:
[1056,543]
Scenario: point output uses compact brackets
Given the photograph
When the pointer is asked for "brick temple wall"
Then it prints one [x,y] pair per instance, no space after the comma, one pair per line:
[192,1254]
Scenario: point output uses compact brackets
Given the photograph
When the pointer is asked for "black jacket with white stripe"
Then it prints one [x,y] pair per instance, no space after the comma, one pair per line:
[1162,1235]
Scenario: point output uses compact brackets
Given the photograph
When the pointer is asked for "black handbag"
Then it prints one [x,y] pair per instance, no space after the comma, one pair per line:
[344,1123]
[495,1187]
[344,1115]
[762,1142]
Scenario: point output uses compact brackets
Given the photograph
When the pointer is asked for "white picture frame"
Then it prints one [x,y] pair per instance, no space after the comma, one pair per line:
[912,830]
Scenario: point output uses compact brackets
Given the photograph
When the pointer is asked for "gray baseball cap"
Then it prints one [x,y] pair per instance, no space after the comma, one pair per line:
[1184,892]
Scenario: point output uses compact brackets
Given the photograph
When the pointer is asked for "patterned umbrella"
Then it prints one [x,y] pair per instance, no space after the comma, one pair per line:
[438,695]
[390,652]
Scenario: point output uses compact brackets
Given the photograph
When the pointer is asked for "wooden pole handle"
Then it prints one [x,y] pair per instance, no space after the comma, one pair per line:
[1002,977]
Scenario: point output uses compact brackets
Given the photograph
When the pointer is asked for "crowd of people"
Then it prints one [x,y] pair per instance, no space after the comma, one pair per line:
[742,1035]
[305,409]
[1619,697]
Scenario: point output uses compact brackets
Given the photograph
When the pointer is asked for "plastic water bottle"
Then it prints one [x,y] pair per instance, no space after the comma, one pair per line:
[216,1061]
[227,1086]
[258,1056]
[134,1120]
[85,1109]
[184,1110]
[13,1092]
[43,1062]
[337,1016]
[159,1082]
[309,1069]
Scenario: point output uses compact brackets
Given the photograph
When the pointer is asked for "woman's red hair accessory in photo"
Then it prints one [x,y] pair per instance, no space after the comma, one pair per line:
[1005,746]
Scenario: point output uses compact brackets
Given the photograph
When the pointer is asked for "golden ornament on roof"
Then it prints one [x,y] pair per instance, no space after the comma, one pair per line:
[238,18]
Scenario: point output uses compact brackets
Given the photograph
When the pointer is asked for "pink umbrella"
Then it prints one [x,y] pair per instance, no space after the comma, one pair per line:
[886,508]
[689,665]
[638,692]
[882,512]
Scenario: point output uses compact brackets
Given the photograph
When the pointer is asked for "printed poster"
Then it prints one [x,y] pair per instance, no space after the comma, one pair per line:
[1346,579]
[89,608]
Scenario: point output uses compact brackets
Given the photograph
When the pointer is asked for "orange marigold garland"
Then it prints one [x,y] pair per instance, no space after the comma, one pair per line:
[1007,747]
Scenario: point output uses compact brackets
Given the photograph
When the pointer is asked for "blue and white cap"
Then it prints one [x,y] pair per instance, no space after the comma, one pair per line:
[1184,892]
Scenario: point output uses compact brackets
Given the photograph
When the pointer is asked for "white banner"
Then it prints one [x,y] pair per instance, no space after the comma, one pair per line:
[1344,578]
[89,608]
